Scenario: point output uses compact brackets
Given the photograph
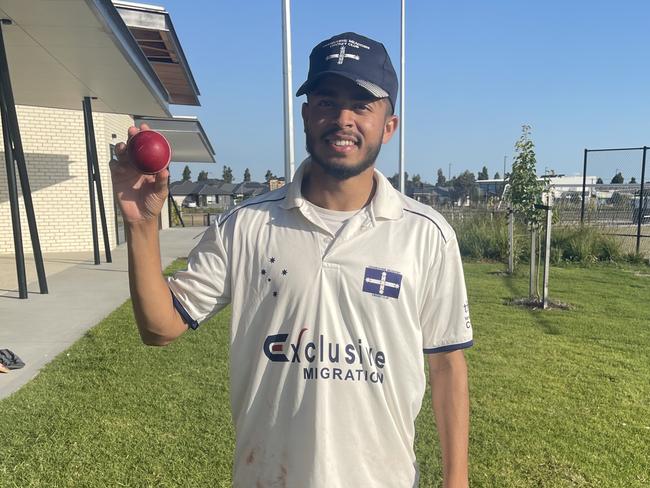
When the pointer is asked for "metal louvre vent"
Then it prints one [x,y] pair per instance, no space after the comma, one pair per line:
[154,46]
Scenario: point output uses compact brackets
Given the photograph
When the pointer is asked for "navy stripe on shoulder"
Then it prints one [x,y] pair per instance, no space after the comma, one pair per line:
[237,209]
[191,323]
[430,219]
[450,347]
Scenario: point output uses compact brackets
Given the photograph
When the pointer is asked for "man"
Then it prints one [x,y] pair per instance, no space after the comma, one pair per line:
[337,284]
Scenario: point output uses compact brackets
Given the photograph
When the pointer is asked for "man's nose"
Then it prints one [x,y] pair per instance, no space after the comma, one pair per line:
[345,118]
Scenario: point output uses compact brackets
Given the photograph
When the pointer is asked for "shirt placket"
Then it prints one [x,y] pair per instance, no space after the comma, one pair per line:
[323,236]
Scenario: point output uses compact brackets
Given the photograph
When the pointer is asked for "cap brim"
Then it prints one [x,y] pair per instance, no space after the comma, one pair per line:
[308,85]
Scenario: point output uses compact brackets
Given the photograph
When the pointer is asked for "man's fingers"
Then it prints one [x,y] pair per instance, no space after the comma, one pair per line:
[133,130]
[118,167]
[120,149]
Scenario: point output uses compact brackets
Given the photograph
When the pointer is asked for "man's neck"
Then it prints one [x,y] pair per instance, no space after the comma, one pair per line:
[328,192]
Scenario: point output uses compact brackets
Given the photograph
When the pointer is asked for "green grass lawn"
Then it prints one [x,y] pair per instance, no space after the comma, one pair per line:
[559,398]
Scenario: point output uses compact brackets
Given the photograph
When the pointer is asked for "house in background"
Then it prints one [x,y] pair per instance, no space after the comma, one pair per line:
[275,183]
[428,194]
[214,194]
[249,189]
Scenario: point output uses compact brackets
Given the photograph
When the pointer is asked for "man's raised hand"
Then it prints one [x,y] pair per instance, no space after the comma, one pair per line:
[140,196]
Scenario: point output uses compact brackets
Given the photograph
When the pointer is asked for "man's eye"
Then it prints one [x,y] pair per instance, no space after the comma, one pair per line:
[361,107]
[324,103]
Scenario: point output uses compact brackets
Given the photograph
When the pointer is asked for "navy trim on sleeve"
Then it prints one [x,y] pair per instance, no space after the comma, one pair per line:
[430,220]
[191,323]
[226,216]
[450,347]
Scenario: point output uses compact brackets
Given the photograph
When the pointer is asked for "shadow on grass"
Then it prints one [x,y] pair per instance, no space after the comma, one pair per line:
[540,317]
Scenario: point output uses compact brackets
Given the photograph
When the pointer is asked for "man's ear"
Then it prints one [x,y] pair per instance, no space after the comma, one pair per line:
[303,112]
[390,126]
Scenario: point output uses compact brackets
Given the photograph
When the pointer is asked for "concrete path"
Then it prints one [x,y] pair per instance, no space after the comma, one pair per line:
[80,295]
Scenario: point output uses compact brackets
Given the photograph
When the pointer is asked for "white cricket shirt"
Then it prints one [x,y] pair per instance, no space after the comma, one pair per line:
[328,333]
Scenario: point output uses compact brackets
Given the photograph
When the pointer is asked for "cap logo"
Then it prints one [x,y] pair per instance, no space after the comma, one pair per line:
[342,55]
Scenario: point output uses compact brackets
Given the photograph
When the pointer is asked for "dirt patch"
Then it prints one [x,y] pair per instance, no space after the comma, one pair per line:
[535,304]
[500,273]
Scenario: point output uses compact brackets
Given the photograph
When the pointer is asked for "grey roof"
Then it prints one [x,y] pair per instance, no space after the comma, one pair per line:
[185,188]
[219,189]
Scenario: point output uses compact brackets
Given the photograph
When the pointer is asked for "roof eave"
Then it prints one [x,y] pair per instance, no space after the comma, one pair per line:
[107,14]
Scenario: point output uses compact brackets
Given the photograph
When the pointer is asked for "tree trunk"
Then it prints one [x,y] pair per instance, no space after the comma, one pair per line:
[532,287]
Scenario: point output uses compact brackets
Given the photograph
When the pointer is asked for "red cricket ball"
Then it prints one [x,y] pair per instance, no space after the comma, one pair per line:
[149,151]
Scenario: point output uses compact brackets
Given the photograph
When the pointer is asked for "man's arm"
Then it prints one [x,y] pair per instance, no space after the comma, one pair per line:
[450,397]
[141,198]
[158,321]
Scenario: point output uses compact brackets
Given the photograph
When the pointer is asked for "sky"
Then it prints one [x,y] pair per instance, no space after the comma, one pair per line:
[575,71]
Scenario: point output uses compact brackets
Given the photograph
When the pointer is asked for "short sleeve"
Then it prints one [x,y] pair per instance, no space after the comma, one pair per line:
[203,289]
[445,318]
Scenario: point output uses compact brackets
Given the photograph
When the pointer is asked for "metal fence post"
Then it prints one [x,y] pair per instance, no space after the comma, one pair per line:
[584,187]
[547,254]
[511,241]
[641,202]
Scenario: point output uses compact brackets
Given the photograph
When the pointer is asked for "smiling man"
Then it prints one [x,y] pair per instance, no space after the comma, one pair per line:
[340,287]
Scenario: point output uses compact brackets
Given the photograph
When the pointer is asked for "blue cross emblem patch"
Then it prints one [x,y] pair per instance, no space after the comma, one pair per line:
[382,282]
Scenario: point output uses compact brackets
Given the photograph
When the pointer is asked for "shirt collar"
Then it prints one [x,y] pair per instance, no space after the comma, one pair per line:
[386,203]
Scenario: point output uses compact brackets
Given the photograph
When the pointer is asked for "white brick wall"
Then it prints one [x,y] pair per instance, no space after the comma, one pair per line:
[55,153]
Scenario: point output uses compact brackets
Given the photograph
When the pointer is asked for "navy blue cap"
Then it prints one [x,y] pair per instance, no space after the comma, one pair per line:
[356,57]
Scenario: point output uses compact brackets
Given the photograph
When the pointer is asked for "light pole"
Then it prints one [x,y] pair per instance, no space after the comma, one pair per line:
[288,98]
[401,100]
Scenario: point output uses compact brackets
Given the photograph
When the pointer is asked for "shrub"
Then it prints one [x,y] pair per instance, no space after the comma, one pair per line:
[585,245]
[634,258]
[482,238]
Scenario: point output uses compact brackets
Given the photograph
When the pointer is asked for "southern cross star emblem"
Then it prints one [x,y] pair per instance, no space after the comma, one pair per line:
[341,55]
[273,279]
[382,282]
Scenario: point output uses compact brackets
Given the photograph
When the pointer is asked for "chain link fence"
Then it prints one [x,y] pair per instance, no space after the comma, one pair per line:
[614,197]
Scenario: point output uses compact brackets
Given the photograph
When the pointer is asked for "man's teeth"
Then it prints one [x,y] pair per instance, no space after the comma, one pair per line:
[343,143]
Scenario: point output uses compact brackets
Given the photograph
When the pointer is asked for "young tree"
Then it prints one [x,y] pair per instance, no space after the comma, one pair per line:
[417,180]
[203,175]
[497,176]
[599,181]
[187,174]
[525,191]
[227,174]
[483,174]
[247,175]
[269,176]
[441,178]
[632,180]
[617,179]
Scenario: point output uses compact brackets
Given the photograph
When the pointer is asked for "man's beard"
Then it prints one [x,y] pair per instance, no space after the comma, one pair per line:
[340,171]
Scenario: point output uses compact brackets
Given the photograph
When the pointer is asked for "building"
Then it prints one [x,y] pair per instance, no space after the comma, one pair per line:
[214,194]
[275,183]
[73,89]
